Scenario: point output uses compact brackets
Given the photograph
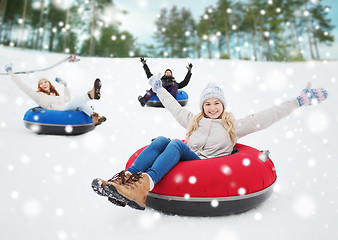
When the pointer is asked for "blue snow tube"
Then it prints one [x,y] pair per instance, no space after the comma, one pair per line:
[181,97]
[55,122]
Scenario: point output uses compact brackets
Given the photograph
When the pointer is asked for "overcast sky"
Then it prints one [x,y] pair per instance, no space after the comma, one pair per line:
[142,14]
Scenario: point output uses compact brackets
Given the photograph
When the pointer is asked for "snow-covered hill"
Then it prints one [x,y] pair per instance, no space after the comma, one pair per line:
[46,180]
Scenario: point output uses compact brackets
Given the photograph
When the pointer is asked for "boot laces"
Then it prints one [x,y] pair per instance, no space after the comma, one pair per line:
[119,176]
[133,179]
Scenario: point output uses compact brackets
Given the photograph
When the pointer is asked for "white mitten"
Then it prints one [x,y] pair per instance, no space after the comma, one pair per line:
[155,82]
[312,96]
[59,80]
[9,67]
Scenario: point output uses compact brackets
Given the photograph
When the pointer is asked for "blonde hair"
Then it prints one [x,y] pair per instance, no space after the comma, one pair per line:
[227,121]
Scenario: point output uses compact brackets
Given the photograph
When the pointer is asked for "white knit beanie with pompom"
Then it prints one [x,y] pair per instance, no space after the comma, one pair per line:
[212,91]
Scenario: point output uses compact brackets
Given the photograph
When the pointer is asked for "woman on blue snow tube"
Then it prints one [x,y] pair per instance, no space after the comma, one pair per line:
[47,97]
[210,134]
[169,83]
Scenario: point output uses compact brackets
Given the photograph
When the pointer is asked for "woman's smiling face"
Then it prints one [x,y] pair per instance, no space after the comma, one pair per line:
[213,108]
[44,84]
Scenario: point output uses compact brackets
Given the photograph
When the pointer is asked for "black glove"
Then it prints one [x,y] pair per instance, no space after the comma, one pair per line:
[189,67]
[142,60]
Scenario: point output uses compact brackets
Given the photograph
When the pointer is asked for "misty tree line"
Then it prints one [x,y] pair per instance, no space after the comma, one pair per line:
[52,25]
[272,30]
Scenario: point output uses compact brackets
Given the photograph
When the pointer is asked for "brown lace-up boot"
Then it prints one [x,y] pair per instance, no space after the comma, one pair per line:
[134,192]
[94,93]
[99,185]
[97,119]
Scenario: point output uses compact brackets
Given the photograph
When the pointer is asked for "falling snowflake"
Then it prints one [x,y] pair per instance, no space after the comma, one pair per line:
[15,195]
[94,141]
[10,168]
[24,159]
[304,206]
[62,235]
[157,119]
[69,129]
[312,162]
[58,168]
[241,191]
[31,208]
[246,162]
[317,121]
[146,220]
[73,145]
[226,170]
[289,134]
[258,216]
[19,101]
[71,171]
[226,234]
[192,180]
[276,188]
[59,212]
[178,178]
[35,128]
[214,203]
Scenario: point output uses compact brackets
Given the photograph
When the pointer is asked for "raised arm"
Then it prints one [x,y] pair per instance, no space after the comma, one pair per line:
[181,114]
[145,67]
[264,119]
[40,98]
[33,94]
[187,77]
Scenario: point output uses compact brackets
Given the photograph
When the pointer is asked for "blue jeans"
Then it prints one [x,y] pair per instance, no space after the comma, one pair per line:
[161,156]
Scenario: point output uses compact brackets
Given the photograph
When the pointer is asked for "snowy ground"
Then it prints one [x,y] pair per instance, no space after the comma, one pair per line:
[45,180]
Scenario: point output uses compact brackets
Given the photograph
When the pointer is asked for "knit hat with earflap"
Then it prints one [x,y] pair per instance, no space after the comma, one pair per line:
[212,91]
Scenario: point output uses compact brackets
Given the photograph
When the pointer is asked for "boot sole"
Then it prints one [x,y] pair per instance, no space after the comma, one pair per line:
[99,189]
[115,194]
[117,202]
[97,186]
[97,87]
[143,103]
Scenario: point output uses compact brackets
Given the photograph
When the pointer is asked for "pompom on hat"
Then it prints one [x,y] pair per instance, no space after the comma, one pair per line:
[212,91]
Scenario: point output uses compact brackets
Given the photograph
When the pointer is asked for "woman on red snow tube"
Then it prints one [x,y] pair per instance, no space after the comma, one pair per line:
[215,186]
[210,134]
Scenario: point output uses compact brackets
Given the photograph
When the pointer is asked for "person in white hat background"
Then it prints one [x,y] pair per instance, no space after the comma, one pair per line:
[46,96]
[211,133]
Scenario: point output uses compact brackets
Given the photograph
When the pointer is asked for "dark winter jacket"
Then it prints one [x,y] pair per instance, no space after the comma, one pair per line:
[168,81]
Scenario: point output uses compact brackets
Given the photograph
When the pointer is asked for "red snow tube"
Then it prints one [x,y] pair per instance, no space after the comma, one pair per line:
[216,186]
